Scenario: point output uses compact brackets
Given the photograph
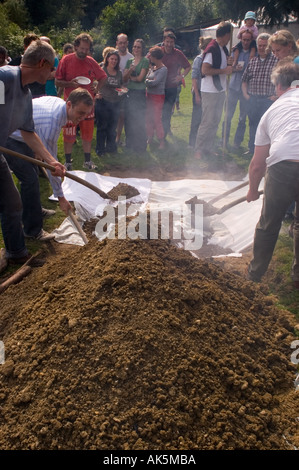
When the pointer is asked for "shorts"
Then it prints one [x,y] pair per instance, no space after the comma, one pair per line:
[86,128]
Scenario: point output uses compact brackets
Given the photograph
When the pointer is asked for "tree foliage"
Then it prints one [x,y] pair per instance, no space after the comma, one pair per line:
[11,35]
[135,18]
[269,11]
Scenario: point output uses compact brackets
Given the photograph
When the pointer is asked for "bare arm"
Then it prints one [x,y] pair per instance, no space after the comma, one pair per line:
[66,84]
[207,69]
[195,90]
[139,77]
[257,169]
[64,204]
[34,142]
[245,90]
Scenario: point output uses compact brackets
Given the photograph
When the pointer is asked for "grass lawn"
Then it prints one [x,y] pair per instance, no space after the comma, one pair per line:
[175,157]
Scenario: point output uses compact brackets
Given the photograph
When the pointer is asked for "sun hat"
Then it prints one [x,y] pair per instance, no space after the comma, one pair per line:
[250,15]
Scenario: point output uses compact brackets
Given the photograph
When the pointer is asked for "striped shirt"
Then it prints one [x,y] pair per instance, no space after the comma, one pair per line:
[258,75]
[49,116]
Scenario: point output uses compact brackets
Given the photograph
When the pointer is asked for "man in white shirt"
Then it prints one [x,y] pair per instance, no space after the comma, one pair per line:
[276,156]
[122,47]
[216,66]
[50,114]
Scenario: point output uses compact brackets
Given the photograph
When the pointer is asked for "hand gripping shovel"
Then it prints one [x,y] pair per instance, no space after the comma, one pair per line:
[52,168]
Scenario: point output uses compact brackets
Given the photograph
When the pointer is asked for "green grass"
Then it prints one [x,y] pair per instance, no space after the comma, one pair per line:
[175,157]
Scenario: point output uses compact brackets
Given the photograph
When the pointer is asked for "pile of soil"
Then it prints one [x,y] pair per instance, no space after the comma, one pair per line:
[136,344]
[122,189]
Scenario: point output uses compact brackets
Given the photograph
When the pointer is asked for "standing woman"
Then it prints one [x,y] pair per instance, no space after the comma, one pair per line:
[196,94]
[283,44]
[155,83]
[107,105]
[135,105]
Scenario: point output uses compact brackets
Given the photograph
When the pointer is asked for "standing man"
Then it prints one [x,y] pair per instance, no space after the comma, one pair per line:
[257,87]
[79,63]
[16,113]
[235,94]
[276,154]
[122,47]
[216,66]
[175,61]
[50,114]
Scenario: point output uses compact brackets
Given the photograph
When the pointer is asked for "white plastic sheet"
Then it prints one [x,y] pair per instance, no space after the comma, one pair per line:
[234,229]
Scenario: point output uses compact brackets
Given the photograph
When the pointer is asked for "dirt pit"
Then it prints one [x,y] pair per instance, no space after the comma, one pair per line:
[135,344]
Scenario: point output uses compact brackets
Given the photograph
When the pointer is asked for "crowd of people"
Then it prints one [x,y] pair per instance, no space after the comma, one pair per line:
[136,92]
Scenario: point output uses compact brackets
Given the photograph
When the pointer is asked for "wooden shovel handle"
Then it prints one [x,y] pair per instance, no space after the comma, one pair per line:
[233,203]
[229,191]
[52,168]
[78,226]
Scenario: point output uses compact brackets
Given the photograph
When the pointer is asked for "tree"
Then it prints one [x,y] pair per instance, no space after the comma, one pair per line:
[135,18]
[175,13]
[57,13]
[17,12]
[270,11]
[11,35]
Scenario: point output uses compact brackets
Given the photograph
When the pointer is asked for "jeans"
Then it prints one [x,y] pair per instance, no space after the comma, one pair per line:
[281,188]
[27,174]
[170,98]
[107,114]
[257,106]
[233,98]
[195,121]
[11,214]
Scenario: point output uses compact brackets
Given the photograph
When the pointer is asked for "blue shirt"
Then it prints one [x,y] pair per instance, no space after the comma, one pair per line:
[49,116]
[236,78]
[196,70]
[15,103]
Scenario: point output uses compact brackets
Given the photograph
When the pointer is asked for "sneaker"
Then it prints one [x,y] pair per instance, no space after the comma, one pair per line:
[68,166]
[47,212]
[42,236]
[89,166]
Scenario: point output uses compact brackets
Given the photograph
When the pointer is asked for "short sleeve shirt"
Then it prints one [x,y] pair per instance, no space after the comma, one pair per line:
[15,103]
[143,64]
[71,67]
[279,128]
[174,62]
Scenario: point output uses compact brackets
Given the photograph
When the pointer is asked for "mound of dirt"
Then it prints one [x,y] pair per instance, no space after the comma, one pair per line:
[135,344]
[122,189]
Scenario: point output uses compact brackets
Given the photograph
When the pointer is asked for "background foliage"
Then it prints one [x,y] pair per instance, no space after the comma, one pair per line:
[62,20]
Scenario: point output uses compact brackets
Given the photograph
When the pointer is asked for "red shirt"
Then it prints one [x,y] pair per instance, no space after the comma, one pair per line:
[71,67]
[174,62]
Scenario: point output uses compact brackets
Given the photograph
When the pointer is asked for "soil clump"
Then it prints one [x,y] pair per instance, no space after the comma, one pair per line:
[138,345]
[123,189]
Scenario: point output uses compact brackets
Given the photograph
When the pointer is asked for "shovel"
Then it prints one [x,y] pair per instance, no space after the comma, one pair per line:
[72,217]
[232,204]
[52,168]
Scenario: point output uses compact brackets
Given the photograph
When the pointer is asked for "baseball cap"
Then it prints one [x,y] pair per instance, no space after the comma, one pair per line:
[250,15]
